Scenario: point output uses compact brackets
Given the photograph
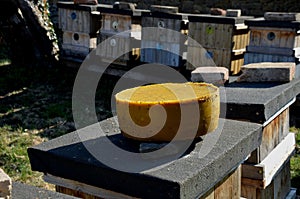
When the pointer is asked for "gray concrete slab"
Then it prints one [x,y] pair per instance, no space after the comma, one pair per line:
[257,102]
[189,176]
[24,191]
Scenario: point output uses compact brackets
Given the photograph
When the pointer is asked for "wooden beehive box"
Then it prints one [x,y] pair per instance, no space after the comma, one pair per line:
[77,45]
[224,39]
[119,35]
[78,18]
[161,38]
[273,41]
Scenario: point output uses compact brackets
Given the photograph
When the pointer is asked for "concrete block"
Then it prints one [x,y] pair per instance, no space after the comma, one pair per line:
[268,72]
[5,185]
[217,11]
[191,176]
[282,16]
[214,75]
[233,12]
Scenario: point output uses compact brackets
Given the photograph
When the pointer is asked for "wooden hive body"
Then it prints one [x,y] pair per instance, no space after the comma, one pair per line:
[119,35]
[224,39]
[79,24]
[273,41]
[162,44]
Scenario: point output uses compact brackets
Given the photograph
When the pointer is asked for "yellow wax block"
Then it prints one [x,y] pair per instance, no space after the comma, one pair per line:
[157,112]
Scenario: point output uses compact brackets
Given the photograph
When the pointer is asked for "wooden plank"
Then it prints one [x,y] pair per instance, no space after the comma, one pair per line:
[251,57]
[75,186]
[253,172]
[209,195]
[271,165]
[229,187]
[282,182]
[248,192]
[277,38]
[75,193]
[79,20]
[113,47]
[278,188]
[271,50]
[115,23]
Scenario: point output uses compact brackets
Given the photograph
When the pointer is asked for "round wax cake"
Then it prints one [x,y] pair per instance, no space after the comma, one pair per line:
[157,112]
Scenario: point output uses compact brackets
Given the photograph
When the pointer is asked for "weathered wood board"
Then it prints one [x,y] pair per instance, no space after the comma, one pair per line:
[77,44]
[161,38]
[229,187]
[78,18]
[265,171]
[279,187]
[273,133]
[260,57]
[81,190]
[113,47]
[198,57]
[161,52]
[274,37]
[223,38]
[115,23]
[119,36]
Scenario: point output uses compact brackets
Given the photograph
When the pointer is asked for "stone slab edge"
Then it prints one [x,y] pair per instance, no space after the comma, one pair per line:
[179,179]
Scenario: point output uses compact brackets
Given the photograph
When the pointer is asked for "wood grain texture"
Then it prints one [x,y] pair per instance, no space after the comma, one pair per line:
[279,187]
[79,20]
[274,133]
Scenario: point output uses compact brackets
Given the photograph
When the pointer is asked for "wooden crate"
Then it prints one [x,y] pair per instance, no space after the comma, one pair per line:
[78,18]
[229,187]
[77,45]
[122,32]
[224,38]
[163,44]
[272,134]
[271,177]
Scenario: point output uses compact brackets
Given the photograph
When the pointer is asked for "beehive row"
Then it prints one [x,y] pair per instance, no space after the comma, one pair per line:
[223,39]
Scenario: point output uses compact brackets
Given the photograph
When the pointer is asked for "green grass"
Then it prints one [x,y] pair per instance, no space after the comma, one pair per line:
[295,161]
[35,106]
[13,155]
